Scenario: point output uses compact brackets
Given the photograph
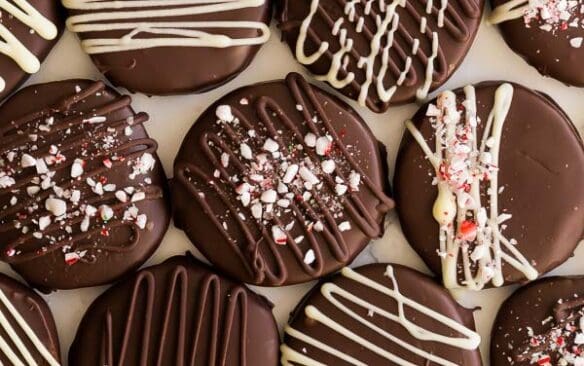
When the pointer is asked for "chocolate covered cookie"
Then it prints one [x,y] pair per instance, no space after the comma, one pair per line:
[486,185]
[280,183]
[548,34]
[29,29]
[381,53]
[541,324]
[170,46]
[81,188]
[27,330]
[380,314]
[177,313]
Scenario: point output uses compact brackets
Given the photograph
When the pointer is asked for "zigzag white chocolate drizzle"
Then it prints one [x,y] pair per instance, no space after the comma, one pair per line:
[470,231]
[389,35]
[136,17]
[21,356]
[12,46]
[468,339]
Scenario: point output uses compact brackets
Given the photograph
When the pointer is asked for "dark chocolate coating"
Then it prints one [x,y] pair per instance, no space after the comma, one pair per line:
[541,159]
[412,284]
[247,250]
[35,311]
[180,70]
[549,52]
[114,247]
[530,307]
[462,20]
[177,313]
[10,71]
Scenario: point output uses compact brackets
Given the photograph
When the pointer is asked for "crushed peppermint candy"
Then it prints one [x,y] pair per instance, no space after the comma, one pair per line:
[53,208]
[275,177]
[223,112]
[556,16]
[309,257]
[562,344]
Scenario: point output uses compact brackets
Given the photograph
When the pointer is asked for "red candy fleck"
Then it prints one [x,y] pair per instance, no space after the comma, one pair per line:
[107,163]
[104,232]
[468,230]
[71,261]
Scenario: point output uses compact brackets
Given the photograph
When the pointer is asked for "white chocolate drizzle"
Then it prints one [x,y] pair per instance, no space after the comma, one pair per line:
[12,47]
[468,339]
[510,10]
[7,349]
[462,165]
[135,17]
[377,64]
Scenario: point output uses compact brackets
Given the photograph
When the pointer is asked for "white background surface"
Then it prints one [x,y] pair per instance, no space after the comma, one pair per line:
[171,118]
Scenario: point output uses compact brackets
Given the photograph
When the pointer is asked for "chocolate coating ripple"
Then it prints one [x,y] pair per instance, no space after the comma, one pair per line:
[177,313]
[82,191]
[280,183]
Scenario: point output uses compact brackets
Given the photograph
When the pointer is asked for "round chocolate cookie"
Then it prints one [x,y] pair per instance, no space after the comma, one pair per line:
[380,314]
[486,185]
[548,34]
[171,46]
[280,183]
[81,188]
[541,324]
[381,53]
[29,29]
[27,330]
[177,313]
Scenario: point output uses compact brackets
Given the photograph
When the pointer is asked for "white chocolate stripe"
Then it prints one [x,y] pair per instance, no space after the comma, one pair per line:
[510,10]
[170,34]
[32,337]
[469,339]
[12,46]
[291,355]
